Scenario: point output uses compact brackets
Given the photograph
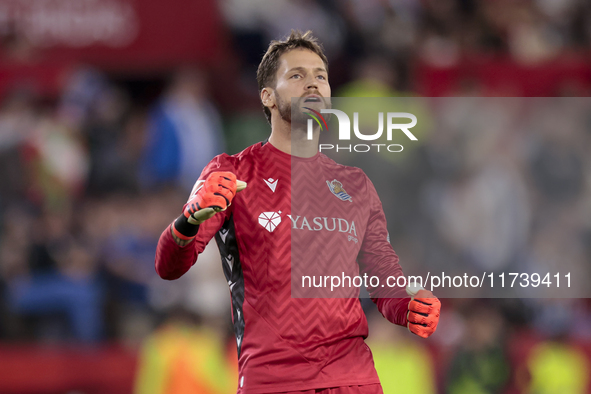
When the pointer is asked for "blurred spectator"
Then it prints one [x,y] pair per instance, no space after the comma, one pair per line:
[244,20]
[57,163]
[304,15]
[372,77]
[113,160]
[555,367]
[126,242]
[482,211]
[403,363]
[82,90]
[184,133]
[480,365]
[182,357]
[17,121]
[58,277]
[555,161]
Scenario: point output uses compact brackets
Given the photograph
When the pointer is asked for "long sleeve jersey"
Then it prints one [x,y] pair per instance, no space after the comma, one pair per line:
[299,221]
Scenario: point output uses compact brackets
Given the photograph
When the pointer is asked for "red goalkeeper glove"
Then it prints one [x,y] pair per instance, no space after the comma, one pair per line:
[212,195]
[423,314]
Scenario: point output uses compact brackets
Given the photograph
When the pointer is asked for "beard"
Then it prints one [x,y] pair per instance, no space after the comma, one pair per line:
[295,107]
[284,109]
[290,111]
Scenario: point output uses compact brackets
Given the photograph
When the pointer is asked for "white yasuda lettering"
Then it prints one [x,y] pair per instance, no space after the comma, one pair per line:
[334,224]
[294,221]
[341,227]
[323,223]
[305,223]
[317,224]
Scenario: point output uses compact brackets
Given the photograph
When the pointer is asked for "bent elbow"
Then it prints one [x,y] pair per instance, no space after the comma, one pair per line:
[168,274]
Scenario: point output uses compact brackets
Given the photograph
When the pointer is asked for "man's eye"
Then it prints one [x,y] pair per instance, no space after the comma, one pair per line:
[296,76]
[322,77]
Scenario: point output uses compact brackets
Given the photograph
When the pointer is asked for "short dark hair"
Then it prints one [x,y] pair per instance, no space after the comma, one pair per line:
[267,71]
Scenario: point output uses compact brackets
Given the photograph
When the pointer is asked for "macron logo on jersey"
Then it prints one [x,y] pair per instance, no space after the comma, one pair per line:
[271,183]
[270,220]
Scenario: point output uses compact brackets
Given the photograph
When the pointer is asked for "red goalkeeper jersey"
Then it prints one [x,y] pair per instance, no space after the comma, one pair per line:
[299,221]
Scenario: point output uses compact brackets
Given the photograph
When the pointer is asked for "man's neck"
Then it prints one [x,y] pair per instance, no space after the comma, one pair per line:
[293,142]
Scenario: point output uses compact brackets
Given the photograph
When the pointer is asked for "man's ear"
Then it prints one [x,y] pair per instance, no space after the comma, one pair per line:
[268,97]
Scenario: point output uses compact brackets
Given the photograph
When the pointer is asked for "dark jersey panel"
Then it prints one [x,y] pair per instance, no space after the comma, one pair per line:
[228,246]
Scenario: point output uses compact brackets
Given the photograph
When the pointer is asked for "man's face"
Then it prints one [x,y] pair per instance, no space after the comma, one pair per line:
[302,74]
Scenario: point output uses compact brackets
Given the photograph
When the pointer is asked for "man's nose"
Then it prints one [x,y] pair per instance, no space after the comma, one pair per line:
[311,82]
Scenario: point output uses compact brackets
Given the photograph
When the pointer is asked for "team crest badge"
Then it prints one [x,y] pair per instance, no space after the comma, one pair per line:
[337,189]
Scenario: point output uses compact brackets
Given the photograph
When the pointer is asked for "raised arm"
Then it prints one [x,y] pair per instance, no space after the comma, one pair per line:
[202,216]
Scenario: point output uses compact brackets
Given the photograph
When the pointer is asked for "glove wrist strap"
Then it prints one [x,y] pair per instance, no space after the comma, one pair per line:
[183,229]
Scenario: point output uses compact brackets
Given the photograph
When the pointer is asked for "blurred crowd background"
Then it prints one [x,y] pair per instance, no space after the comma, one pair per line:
[110,109]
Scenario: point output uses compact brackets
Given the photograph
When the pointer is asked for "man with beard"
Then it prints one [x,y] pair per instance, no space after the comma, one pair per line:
[301,213]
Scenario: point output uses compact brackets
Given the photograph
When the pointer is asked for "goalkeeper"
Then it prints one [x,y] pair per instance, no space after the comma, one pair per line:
[267,203]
